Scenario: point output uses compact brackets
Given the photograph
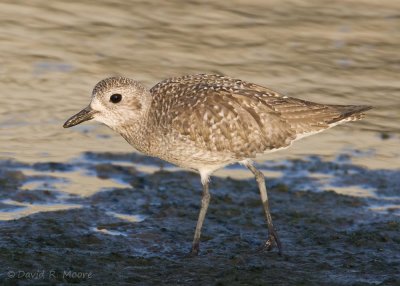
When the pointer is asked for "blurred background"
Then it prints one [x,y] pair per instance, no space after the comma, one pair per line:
[340,52]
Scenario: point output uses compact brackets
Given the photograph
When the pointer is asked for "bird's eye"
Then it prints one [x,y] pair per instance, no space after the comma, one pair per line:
[115,98]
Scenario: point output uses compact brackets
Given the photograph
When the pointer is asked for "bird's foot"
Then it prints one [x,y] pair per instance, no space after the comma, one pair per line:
[195,250]
[272,241]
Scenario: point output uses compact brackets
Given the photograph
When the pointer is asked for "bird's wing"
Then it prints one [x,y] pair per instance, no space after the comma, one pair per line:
[221,114]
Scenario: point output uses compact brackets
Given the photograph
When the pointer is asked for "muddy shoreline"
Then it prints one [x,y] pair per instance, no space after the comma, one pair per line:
[328,238]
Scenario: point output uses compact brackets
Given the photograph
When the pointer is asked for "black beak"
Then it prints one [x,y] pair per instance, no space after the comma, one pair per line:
[82,116]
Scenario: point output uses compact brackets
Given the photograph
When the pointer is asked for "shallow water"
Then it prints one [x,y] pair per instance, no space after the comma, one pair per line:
[53,52]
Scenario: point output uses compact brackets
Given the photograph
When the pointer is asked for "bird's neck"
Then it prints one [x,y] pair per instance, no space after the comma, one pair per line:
[138,132]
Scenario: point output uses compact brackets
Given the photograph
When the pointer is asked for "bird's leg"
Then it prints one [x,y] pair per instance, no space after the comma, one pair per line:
[272,234]
[205,200]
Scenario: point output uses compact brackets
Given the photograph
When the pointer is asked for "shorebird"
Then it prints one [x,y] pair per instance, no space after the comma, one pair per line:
[205,122]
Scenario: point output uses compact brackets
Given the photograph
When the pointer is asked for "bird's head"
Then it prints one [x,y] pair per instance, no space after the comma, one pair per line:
[116,102]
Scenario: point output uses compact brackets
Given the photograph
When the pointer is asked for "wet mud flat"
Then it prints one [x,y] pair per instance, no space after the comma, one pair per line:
[141,234]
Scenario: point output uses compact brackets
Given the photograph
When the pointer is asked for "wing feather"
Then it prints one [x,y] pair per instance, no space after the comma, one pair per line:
[217,113]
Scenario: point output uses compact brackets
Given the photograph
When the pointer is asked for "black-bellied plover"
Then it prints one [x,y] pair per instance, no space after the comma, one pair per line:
[204,122]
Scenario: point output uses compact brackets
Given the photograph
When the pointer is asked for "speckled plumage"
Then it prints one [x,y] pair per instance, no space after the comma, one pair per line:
[205,122]
[202,119]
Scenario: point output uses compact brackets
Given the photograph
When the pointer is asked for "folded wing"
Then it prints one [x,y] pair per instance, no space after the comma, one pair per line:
[218,113]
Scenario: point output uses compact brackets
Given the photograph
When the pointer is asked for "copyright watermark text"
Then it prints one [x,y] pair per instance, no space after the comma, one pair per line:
[48,274]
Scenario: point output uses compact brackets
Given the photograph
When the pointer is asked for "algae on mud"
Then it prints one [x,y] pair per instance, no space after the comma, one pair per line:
[328,238]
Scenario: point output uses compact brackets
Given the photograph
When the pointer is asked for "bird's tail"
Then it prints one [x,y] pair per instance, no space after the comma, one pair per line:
[349,112]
